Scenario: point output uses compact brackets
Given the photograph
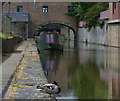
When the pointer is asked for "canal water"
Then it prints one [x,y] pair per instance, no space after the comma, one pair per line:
[83,72]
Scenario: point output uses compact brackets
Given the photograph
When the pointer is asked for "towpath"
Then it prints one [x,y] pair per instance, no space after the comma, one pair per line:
[22,72]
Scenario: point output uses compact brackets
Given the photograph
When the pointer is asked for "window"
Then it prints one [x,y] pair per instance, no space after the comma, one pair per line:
[45,9]
[19,8]
[49,38]
[70,8]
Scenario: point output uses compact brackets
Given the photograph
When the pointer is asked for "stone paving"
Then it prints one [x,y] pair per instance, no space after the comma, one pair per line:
[27,76]
[8,67]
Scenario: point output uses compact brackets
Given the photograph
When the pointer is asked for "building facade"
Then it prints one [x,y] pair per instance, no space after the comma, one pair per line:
[113,26]
[41,13]
[112,38]
[115,13]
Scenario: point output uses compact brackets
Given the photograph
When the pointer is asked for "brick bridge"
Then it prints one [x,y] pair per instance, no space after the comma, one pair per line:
[42,14]
[53,25]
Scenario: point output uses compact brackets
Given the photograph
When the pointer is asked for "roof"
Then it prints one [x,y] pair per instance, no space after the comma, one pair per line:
[104,15]
[18,16]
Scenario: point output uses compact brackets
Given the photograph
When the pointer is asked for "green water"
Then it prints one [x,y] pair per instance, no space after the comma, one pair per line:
[83,72]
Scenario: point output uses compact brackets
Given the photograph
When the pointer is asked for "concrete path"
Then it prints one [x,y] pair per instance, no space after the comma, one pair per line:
[23,68]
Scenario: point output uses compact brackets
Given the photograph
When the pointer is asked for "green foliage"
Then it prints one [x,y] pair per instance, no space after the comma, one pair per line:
[4,35]
[88,12]
[72,10]
[78,9]
[92,15]
[12,34]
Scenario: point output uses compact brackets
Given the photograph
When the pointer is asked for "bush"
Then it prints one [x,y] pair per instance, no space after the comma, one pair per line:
[12,34]
[4,35]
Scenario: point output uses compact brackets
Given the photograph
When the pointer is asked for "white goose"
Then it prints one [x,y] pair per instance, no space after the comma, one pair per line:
[51,88]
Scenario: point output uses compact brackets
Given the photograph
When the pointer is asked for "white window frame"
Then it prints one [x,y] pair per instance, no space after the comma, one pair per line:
[45,9]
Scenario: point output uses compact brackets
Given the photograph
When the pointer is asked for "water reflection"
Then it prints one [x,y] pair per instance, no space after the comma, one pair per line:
[90,72]
[86,82]
[49,61]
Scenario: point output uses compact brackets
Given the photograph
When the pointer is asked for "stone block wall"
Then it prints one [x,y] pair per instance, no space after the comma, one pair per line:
[112,35]
[6,24]
[19,28]
[95,35]
[65,31]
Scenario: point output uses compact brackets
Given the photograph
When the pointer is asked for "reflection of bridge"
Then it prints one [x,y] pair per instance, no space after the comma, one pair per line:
[42,14]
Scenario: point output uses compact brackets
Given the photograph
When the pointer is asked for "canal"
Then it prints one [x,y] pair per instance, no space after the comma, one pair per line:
[84,72]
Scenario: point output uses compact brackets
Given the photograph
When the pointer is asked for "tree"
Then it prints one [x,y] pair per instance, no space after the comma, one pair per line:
[88,12]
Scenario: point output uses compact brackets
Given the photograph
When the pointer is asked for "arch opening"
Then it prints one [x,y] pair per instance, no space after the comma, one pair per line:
[58,26]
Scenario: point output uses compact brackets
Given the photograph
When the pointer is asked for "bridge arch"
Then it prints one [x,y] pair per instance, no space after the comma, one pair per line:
[53,25]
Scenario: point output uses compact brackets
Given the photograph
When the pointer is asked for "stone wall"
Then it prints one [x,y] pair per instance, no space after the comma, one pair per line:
[6,24]
[65,31]
[108,35]
[20,29]
[113,34]
[71,35]
[96,35]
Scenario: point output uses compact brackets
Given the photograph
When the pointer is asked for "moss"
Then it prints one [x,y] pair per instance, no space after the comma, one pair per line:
[15,84]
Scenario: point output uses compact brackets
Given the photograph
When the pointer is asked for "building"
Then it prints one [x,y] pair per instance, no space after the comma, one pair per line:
[36,14]
[113,25]
[112,54]
[115,13]
[18,23]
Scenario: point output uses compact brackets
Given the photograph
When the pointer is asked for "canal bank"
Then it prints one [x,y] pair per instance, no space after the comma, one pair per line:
[22,72]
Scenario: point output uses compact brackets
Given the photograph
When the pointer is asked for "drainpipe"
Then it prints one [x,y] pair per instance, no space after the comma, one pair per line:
[9,7]
[1,16]
[9,15]
[2,3]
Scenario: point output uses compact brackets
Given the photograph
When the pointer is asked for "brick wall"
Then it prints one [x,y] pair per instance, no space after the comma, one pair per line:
[56,12]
